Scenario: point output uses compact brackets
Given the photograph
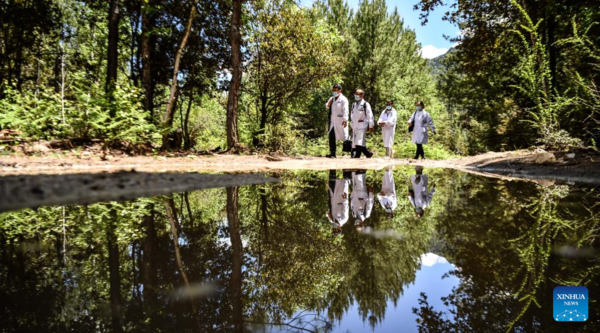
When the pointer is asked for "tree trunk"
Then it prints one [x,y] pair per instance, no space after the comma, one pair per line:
[236,77]
[187,144]
[114,274]
[259,139]
[114,17]
[150,246]
[146,49]
[237,257]
[169,113]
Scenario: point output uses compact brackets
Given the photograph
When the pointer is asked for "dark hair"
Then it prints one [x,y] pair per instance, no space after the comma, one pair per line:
[390,101]
[337,86]
[421,103]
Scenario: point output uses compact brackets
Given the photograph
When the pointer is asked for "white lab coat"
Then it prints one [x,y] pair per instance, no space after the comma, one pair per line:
[362,199]
[422,198]
[388,129]
[339,115]
[422,121]
[339,204]
[362,120]
[388,200]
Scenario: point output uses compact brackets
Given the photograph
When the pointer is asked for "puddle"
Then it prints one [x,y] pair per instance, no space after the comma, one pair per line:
[392,250]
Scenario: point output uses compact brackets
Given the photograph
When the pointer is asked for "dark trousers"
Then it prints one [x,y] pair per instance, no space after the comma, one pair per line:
[420,151]
[358,150]
[332,146]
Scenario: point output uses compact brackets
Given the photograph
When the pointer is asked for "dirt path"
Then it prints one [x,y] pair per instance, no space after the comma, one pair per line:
[579,166]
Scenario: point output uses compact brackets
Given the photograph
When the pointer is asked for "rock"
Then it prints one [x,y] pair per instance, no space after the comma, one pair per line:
[541,158]
[545,182]
[273,158]
[37,148]
[191,156]
[86,154]
[571,155]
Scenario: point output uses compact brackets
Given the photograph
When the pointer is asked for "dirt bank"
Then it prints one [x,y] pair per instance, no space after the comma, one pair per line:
[581,165]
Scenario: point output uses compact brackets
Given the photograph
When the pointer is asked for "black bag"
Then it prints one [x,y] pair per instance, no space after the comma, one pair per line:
[411,127]
[347,146]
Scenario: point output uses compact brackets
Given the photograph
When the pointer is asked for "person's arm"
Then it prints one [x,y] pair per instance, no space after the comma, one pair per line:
[370,202]
[370,116]
[346,112]
[328,104]
[411,119]
[380,121]
[430,123]
[391,122]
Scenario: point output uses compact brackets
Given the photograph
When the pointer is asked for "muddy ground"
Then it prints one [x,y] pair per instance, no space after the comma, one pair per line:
[579,165]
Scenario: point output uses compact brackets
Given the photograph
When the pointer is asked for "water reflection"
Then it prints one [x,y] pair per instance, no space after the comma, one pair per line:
[418,194]
[263,258]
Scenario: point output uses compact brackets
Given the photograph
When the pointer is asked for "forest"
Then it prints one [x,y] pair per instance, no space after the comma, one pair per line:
[254,75]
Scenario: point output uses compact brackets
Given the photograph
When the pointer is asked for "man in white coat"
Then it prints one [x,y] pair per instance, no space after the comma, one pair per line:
[338,195]
[362,199]
[387,197]
[418,196]
[387,121]
[421,120]
[338,119]
[362,122]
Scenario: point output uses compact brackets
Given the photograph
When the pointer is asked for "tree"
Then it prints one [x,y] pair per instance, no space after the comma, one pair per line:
[291,55]
[114,17]
[167,121]
[236,75]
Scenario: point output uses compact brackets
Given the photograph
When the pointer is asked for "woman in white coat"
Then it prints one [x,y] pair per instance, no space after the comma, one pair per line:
[387,197]
[387,121]
[419,197]
[338,213]
[420,120]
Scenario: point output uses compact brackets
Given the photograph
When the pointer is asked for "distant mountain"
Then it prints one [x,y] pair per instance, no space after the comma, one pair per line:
[437,63]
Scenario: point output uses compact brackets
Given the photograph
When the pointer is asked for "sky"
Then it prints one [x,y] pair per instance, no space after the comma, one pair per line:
[431,36]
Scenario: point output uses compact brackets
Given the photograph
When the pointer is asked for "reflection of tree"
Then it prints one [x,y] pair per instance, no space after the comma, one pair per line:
[502,238]
[236,258]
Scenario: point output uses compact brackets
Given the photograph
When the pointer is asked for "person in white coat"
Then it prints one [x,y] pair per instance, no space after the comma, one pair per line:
[338,119]
[362,122]
[387,121]
[387,197]
[338,213]
[420,120]
[362,199]
[419,197]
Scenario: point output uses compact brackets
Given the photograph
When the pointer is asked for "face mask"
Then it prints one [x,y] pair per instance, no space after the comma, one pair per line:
[356,97]
[389,107]
[334,94]
[419,108]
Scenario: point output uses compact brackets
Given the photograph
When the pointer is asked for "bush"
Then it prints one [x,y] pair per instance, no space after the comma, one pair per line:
[85,114]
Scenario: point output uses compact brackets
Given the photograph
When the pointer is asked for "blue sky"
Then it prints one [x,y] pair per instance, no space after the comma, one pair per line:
[430,36]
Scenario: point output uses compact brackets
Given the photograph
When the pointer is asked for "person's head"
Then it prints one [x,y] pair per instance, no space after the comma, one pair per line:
[411,193]
[359,94]
[420,105]
[419,169]
[337,89]
[359,224]
[419,212]
[390,104]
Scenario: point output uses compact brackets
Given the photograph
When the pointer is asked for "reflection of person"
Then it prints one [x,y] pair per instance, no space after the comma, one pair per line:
[421,120]
[418,195]
[362,199]
[338,118]
[362,121]
[387,121]
[338,195]
[387,197]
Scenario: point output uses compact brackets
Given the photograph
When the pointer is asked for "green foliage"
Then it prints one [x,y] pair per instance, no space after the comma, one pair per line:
[85,114]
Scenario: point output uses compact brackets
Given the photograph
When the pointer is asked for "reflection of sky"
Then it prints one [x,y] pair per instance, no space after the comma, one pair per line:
[401,318]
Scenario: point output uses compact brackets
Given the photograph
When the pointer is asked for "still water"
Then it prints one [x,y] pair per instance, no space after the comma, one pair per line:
[394,250]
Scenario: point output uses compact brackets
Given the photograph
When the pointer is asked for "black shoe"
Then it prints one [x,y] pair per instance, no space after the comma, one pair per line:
[330,156]
[370,155]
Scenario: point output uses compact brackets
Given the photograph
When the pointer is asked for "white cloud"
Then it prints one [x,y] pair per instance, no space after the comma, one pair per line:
[430,259]
[430,51]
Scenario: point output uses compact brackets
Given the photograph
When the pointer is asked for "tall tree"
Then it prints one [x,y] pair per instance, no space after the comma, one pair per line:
[114,17]
[236,75]
[170,111]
